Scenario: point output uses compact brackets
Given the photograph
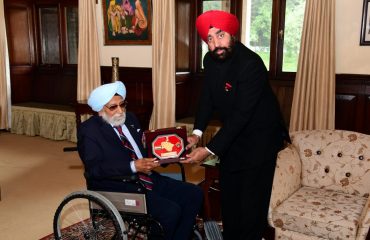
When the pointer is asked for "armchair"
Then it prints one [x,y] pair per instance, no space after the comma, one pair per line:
[321,186]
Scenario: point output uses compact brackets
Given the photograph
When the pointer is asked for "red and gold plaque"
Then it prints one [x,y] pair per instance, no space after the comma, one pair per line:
[167,144]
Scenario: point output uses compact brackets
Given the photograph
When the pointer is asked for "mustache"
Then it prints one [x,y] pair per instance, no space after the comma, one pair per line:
[219,48]
[115,120]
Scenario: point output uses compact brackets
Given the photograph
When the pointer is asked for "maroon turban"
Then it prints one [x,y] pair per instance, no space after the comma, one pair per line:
[218,19]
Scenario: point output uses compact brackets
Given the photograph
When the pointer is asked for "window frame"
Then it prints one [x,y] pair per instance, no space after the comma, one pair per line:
[65,41]
[62,30]
[277,43]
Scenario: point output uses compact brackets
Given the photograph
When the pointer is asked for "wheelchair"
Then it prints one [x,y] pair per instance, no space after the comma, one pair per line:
[89,214]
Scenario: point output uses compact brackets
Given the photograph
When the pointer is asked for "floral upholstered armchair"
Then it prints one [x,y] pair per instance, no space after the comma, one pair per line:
[321,186]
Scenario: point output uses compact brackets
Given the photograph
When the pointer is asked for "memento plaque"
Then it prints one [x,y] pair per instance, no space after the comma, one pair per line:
[167,144]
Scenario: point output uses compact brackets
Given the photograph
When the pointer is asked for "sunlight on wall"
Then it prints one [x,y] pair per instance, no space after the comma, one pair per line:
[350,56]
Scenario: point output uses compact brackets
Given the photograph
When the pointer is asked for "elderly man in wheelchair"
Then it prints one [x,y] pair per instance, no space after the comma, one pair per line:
[110,145]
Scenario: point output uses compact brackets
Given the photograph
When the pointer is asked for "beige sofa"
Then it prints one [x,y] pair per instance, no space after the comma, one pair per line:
[321,186]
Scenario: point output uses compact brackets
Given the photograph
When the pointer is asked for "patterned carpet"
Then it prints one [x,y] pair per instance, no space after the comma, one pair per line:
[74,232]
[84,230]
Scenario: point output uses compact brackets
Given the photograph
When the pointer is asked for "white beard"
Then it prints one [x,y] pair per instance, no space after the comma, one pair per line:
[115,120]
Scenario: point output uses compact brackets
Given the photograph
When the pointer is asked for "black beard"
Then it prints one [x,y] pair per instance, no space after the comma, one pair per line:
[225,55]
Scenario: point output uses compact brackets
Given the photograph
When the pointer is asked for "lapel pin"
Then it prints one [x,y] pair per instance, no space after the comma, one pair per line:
[228,87]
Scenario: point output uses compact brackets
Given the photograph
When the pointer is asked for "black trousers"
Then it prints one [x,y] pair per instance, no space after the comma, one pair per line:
[245,197]
[175,205]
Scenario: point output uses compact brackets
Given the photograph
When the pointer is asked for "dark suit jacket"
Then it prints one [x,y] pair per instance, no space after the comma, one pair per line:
[239,91]
[103,154]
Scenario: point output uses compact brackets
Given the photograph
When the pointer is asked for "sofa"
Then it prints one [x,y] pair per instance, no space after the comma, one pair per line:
[321,186]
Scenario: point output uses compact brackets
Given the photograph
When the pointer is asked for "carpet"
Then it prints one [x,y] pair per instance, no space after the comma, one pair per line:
[106,231]
[75,231]
[75,227]
[70,228]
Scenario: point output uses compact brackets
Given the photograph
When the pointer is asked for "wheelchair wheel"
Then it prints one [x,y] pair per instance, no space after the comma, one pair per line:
[88,215]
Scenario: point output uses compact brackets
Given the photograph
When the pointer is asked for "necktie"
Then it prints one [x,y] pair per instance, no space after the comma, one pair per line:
[144,178]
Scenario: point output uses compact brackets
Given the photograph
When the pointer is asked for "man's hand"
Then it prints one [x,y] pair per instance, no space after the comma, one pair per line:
[197,155]
[145,165]
[192,140]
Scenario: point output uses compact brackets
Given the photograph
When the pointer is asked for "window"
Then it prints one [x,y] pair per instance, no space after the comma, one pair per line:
[49,35]
[294,13]
[273,30]
[257,27]
[71,16]
[58,34]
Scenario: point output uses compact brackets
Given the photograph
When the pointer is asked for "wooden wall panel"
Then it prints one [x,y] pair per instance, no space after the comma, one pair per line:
[366,122]
[352,107]
[184,97]
[188,88]
[44,83]
[29,80]
[67,86]
[21,83]
[18,20]
[367,114]
[183,15]
[284,93]
[352,104]
[20,37]
[345,111]
[55,85]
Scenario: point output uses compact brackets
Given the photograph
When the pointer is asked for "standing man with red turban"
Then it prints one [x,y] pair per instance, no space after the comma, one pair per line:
[253,131]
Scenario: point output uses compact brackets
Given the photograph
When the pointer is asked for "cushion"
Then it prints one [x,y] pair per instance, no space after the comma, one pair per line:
[319,212]
[335,159]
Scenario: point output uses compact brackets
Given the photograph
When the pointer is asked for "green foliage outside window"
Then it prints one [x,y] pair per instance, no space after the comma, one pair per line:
[294,15]
[260,31]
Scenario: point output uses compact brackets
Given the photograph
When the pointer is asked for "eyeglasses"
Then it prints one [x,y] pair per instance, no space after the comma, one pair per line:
[114,107]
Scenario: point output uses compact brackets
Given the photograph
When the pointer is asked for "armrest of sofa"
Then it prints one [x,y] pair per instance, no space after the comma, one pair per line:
[364,224]
[287,178]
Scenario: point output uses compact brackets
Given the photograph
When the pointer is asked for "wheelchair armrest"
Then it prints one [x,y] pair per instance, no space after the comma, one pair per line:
[125,178]
[129,179]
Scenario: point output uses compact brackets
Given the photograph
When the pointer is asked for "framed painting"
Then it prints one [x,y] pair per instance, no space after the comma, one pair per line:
[127,22]
[365,24]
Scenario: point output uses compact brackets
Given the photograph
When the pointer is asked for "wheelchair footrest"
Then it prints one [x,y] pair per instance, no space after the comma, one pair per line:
[212,230]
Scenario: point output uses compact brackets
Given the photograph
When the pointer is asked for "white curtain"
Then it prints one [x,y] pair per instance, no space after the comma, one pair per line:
[88,76]
[163,69]
[313,104]
[5,101]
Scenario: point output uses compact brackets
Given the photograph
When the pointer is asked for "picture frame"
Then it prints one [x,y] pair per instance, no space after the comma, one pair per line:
[365,24]
[127,22]
[168,145]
